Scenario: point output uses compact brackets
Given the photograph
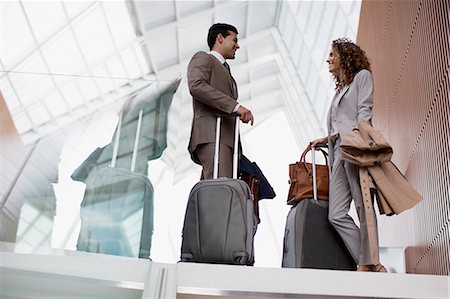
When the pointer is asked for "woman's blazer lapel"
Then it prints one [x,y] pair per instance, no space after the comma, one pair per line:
[338,100]
[341,94]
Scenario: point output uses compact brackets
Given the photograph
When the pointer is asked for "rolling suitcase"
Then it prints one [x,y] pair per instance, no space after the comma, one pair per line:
[117,209]
[220,222]
[309,239]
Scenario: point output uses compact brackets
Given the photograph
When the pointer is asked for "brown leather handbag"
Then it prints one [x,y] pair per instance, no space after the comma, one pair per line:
[301,179]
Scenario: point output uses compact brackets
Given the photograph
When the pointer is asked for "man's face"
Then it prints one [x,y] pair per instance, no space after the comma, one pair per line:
[228,45]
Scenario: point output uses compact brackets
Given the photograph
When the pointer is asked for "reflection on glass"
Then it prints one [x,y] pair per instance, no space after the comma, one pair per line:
[32,196]
[117,208]
[117,213]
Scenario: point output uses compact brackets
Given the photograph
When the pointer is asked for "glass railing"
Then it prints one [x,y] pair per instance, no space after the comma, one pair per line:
[90,186]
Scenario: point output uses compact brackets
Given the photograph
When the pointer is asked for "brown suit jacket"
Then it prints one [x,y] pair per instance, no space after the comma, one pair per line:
[368,148]
[213,91]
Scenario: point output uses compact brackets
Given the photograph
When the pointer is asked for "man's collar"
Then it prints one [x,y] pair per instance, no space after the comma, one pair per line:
[218,56]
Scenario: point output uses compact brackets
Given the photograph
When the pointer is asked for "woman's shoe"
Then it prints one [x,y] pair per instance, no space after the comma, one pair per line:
[371,268]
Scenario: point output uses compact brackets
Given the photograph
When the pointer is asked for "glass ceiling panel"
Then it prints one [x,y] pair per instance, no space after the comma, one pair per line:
[294,5]
[30,84]
[72,94]
[117,69]
[47,74]
[340,26]
[16,37]
[315,19]
[261,10]
[89,85]
[119,21]
[156,12]
[137,49]
[296,46]
[189,42]
[297,55]
[348,7]
[185,8]
[159,43]
[236,15]
[263,70]
[56,104]
[62,55]
[287,27]
[321,106]
[103,79]
[330,10]
[265,86]
[305,63]
[93,36]
[261,48]
[74,8]
[311,89]
[132,65]
[38,13]
[303,11]
[38,114]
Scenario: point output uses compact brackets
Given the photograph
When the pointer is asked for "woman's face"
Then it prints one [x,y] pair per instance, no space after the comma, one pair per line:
[334,64]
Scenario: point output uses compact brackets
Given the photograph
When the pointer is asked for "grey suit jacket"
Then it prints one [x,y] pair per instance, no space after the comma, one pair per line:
[213,92]
[354,104]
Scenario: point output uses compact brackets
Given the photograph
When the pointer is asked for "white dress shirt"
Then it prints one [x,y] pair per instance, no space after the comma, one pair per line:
[219,57]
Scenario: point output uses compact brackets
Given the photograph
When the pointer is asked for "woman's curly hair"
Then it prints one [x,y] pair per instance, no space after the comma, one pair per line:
[352,59]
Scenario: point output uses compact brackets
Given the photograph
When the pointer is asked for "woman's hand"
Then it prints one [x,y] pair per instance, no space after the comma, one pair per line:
[320,141]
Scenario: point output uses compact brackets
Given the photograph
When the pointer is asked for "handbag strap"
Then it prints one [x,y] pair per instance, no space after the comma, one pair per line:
[313,168]
[303,156]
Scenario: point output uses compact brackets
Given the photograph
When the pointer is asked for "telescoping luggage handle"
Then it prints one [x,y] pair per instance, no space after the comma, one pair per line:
[313,161]
[235,148]
[136,142]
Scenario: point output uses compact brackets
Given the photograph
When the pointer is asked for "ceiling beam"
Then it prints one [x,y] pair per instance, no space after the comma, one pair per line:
[139,28]
[189,19]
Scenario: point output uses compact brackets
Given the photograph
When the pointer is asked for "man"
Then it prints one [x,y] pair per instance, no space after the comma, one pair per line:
[214,92]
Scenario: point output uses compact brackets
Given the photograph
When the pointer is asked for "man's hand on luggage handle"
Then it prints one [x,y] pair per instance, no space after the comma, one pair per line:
[245,115]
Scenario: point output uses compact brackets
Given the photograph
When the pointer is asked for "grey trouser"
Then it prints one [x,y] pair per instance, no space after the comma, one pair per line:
[344,186]
[205,153]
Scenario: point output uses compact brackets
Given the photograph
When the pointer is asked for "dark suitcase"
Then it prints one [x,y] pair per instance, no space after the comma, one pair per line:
[311,242]
[117,209]
[309,239]
[220,221]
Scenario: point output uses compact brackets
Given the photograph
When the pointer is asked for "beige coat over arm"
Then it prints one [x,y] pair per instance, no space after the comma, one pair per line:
[366,147]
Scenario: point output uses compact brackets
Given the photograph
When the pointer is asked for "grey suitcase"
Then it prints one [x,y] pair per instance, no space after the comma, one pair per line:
[309,239]
[220,222]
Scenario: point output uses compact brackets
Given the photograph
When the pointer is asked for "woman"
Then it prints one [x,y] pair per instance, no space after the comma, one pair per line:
[352,103]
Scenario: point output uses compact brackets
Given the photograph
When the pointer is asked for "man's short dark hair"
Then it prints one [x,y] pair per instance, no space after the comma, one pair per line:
[221,28]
